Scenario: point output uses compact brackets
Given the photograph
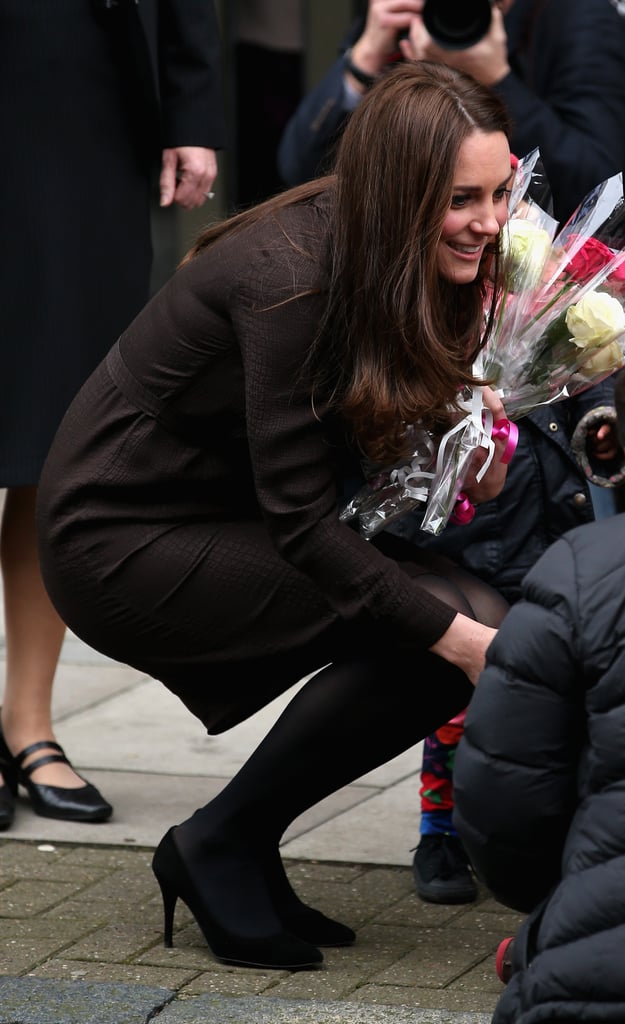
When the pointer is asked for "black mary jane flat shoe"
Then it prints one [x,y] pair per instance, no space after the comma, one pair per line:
[85,803]
[7,807]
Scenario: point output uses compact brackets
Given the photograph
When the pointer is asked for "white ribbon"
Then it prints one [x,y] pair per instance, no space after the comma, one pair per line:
[481,419]
[414,470]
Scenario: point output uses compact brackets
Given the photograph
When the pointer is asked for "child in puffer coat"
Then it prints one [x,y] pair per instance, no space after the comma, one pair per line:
[539,777]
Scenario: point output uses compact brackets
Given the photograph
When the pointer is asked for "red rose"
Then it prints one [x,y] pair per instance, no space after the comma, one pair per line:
[590,259]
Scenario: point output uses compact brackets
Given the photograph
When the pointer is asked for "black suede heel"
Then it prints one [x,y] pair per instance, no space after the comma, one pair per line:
[281,950]
[313,926]
[296,916]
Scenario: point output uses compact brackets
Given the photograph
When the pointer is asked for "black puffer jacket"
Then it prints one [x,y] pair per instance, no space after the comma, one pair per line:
[539,780]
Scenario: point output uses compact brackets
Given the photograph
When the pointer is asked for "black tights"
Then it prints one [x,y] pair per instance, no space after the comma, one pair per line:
[345,721]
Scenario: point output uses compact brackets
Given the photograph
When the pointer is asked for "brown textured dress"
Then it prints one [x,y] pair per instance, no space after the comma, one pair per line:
[188,507]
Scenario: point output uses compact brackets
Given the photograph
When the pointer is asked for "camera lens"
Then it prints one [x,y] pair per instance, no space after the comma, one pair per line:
[457,24]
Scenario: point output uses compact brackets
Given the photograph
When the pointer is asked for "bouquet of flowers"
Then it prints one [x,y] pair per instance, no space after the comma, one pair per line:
[560,328]
[560,323]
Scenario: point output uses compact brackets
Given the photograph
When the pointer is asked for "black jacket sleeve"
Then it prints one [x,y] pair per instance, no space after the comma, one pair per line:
[182,55]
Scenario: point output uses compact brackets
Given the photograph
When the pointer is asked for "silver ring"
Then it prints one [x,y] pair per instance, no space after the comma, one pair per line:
[209,195]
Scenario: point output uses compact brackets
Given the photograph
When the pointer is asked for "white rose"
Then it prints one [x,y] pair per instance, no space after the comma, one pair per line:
[595,322]
[595,319]
[606,360]
[525,247]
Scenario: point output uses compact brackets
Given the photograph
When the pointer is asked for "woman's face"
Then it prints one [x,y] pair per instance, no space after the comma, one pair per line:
[479,205]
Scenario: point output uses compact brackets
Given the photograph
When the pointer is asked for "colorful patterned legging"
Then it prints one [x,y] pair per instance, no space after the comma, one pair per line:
[439,751]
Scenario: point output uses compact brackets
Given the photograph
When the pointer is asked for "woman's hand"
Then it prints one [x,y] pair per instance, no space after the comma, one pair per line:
[464,644]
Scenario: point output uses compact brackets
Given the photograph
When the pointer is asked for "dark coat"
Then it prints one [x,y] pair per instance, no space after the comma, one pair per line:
[177,51]
[539,780]
[565,94]
[84,121]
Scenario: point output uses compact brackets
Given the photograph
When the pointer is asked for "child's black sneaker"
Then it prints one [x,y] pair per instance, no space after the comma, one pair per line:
[442,872]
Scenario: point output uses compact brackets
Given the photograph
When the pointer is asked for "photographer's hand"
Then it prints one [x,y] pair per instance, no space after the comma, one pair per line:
[378,42]
[487,61]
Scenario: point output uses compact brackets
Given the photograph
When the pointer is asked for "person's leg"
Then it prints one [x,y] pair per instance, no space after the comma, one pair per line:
[34,636]
[344,722]
[440,864]
[436,778]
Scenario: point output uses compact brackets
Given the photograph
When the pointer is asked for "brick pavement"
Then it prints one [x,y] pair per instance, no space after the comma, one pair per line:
[81,933]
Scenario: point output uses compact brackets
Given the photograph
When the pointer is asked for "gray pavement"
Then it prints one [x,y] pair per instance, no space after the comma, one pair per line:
[80,910]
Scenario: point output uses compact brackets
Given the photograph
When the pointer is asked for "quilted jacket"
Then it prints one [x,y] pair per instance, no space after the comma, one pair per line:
[539,780]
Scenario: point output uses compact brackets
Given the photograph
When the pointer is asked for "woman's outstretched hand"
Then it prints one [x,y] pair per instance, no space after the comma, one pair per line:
[464,644]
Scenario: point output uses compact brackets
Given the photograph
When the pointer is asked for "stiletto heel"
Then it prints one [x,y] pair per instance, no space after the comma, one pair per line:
[169,905]
[280,950]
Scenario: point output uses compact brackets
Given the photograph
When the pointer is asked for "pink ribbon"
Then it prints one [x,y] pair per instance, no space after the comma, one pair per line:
[463,510]
[509,431]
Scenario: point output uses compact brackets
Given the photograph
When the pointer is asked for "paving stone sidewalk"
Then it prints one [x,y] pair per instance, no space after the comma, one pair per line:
[82,942]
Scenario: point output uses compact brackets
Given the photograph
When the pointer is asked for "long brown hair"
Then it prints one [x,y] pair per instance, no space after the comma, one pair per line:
[396,341]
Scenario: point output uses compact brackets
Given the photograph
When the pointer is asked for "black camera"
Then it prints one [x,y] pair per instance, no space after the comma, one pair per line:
[457,24]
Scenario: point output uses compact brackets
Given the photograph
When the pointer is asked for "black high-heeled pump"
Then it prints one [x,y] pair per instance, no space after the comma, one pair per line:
[83,804]
[280,950]
[313,926]
[297,917]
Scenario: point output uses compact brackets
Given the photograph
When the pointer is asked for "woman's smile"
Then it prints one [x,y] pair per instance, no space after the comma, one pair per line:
[467,252]
[479,205]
